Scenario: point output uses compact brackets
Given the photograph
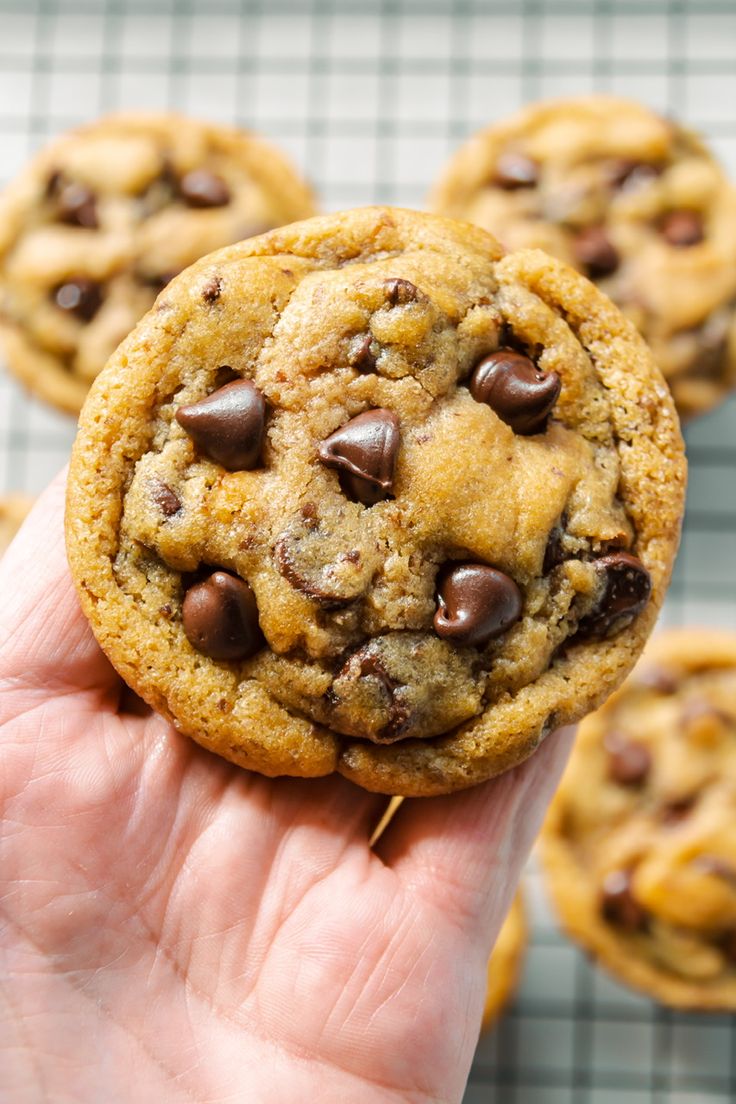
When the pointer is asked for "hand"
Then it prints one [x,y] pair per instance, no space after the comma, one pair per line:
[176,929]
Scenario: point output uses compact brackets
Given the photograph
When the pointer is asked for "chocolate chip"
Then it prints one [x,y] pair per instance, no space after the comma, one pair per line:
[229,425]
[220,617]
[658,679]
[627,586]
[515,170]
[75,203]
[512,385]
[677,808]
[728,945]
[595,252]
[167,500]
[618,904]
[316,561]
[717,867]
[360,355]
[682,228]
[476,603]
[628,175]
[629,762]
[158,281]
[80,297]
[554,553]
[212,290]
[309,514]
[201,188]
[399,292]
[399,715]
[364,451]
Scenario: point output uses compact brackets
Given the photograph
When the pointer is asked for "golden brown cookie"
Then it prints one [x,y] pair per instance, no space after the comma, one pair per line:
[364,495]
[14,509]
[640,843]
[505,962]
[631,199]
[102,219]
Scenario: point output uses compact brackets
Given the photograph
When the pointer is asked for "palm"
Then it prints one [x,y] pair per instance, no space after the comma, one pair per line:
[179,929]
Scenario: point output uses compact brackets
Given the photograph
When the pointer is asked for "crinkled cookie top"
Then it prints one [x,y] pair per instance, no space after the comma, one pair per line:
[361,494]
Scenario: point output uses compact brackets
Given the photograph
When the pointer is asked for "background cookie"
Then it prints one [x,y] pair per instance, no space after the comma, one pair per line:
[640,843]
[631,199]
[14,508]
[326,513]
[505,962]
[103,218]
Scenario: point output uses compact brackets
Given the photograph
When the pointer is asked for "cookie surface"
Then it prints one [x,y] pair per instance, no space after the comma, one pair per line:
[640,846]
[505,962]
[400,586]
[635,202]
[102,219]
[14,508]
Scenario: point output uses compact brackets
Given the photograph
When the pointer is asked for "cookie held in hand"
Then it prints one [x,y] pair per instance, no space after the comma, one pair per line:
[640,845]
[310,525]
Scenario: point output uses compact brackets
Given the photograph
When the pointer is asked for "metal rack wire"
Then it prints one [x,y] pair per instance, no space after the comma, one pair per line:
[370,96]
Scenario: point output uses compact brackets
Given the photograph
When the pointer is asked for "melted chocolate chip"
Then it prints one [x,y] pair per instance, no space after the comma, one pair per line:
[554,554]
[682,228]
[628,175]
[220,617]
[619,907]
[512,385]
[515,170]
[201,188]
[212,290]
[75,203]
[229,425]
[80,297]
[399,713]
[364,451]
[627,586]
[399,292]
[595,252]
[677,808]
[476,603]
[360,355]
[658,679]
[165,498]
[728,945]
[629,762]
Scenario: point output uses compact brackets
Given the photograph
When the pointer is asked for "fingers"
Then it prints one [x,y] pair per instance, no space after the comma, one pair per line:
[45,641]
[464,853]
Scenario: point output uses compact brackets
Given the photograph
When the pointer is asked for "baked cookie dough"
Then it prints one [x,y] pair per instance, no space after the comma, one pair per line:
[505,962]
[634,201]
[14,508]
[364,495]
[640,843]
[102,219]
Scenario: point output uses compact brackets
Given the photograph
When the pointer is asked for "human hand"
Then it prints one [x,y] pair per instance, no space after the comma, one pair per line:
[174,928]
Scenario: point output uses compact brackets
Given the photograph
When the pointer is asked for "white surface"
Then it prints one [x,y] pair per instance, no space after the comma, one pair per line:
[370,98]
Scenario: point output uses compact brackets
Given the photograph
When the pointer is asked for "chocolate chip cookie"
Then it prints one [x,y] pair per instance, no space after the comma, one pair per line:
[364,495]
[640,844]
[635,202]
[505,962]
[102,219]
[14,509]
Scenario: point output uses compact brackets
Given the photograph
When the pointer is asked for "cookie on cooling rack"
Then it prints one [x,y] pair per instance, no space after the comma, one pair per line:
[14,509]
[365,495]
[505,962]
[640,844]
[100,221]
[635,202]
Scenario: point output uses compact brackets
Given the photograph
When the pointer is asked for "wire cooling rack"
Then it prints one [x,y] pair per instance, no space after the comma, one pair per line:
[370,98]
